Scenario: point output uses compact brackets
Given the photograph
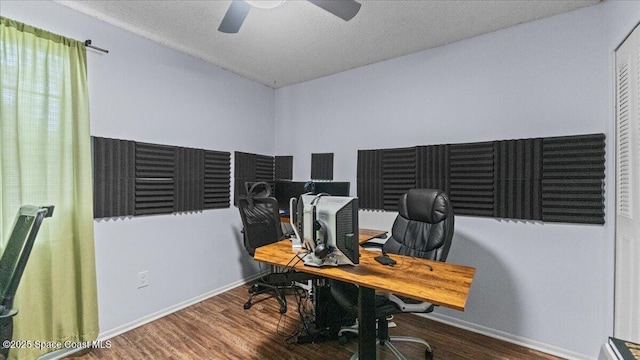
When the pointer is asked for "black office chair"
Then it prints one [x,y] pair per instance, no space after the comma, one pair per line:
[257,188]
[13,261]
[423,228]
[261,226]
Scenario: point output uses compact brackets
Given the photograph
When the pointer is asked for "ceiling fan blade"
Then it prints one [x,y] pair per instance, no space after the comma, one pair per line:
[344,9]
[234,17]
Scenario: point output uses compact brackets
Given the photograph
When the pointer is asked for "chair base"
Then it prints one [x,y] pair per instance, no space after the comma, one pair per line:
[263,288]
[388,343]
[276,284]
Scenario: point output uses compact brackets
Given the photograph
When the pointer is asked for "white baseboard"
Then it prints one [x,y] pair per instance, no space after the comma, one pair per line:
[106,335]
[170,310]
[518,340]
[606,353]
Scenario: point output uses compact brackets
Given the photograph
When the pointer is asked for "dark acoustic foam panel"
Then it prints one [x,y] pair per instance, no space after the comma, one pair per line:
[471,178]
[113,177]
[265,169]
[322,166]
[155,179]
[244,170]
[217,179]
[133,178]
[245,165]
[284,167]
[369,179]
[432,167]
[398,175]
[517,179]
[555,179]
[189,179]
[573,179]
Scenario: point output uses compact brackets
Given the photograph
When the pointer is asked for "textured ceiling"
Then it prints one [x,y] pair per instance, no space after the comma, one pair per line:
[298,41]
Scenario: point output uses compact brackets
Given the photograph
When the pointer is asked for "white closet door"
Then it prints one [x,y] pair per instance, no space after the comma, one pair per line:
[627,283]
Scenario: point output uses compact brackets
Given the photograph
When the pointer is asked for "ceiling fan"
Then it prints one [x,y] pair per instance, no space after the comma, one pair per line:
[239,9]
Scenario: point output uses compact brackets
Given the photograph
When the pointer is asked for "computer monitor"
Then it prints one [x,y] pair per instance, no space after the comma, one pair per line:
[285,190]
[334,188]
[329,230]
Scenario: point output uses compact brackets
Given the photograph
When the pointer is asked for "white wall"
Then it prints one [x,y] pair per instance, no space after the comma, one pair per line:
[542,284]
[146,92]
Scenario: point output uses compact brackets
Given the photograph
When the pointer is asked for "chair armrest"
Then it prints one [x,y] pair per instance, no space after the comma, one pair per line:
[372,245]
[423,307]
[7,313]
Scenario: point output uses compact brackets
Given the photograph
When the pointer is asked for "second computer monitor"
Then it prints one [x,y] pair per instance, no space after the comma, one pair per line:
[285,190]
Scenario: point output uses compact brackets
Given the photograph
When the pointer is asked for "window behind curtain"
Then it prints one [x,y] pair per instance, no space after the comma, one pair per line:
[45,159]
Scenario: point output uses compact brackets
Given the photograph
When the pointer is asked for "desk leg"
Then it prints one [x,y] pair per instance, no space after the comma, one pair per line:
[366,323]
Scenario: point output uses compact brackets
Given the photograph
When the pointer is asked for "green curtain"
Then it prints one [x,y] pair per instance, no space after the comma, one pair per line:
[45,159]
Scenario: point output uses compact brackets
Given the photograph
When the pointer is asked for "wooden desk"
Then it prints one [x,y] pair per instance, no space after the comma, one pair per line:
[447,285]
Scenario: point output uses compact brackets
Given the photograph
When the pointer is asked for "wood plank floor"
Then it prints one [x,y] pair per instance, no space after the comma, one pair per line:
[219,328]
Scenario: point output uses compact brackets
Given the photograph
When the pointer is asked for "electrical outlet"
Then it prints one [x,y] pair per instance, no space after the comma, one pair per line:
[143,279]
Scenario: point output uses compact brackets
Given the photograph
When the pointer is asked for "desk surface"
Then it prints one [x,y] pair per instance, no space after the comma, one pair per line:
[447,285]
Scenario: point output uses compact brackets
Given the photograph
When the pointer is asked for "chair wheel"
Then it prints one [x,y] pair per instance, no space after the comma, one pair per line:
[428,354]
[283,309]
[247,305]
[342,340]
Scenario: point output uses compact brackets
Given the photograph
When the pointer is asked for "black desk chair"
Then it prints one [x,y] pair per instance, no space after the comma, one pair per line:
[423,228]
[13,261]
[261,226]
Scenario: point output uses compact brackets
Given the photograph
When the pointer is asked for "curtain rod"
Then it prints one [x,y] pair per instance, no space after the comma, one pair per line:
[87,43]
